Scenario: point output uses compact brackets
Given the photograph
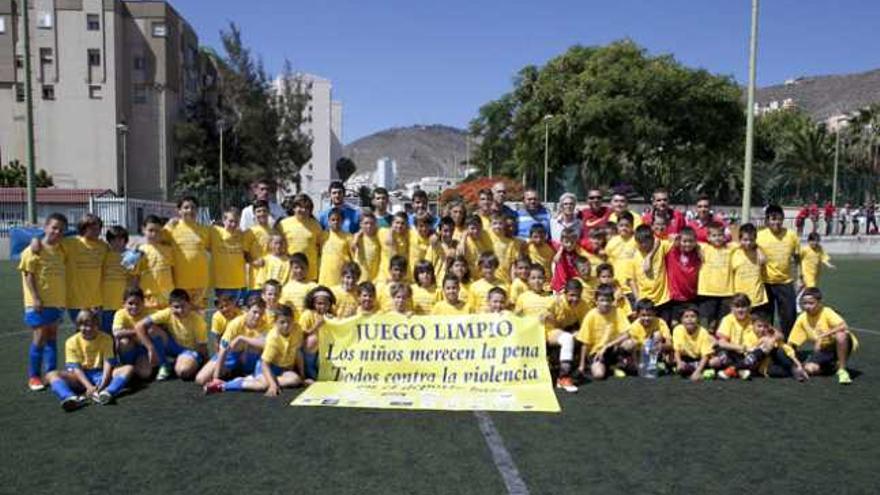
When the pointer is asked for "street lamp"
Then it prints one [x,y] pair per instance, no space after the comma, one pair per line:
[220,124]
[750,119]
[122,130]
[547,119]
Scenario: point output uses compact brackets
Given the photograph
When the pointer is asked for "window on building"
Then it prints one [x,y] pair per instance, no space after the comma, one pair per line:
[94,57]
[46,55]
[2,24]
[19,62]
[19,92]
[93,22]
[48,92]
[44,20]
[96,92]
[139,95]
[160,30]
[140,63]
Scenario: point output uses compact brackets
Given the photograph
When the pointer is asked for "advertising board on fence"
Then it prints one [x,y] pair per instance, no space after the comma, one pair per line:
[475,362]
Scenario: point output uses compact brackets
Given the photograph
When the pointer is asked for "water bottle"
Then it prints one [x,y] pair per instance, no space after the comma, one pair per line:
[130,258]
[645,360]
[653,356]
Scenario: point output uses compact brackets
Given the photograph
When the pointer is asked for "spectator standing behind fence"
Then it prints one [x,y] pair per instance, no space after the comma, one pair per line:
[532,212]
[829,218]
[870,218]
[262,190]
[351,216]
[843,219]
[857,213]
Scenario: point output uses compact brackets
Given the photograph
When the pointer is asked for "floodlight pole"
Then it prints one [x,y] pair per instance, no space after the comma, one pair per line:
[750,119]
[836,162]
[546,151]
[29,117]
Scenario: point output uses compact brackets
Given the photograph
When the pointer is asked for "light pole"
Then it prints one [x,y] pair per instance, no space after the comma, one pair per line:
[122,129]
[29,117]
[546,151]
[750,119]
[836,162]
[220,125]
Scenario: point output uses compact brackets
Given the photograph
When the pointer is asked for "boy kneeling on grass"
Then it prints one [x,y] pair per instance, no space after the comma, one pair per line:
[832,341]
[278,366]
[177,332]
[91,366]
[605,339]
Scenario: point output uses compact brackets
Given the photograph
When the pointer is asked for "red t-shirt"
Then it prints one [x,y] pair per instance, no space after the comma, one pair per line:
[682,274]
[676,223]
[702,229]
[829,211]
[564,271]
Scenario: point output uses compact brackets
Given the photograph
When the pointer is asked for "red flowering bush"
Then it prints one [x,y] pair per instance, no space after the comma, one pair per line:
[469,191]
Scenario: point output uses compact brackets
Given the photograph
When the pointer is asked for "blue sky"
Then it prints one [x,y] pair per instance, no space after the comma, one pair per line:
[405,62]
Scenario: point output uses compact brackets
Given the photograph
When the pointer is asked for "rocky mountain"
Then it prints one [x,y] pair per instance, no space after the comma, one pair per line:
[825,96]
[420,151]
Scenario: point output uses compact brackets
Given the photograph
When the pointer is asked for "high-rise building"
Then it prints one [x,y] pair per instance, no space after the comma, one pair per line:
[104,73]
[323,123]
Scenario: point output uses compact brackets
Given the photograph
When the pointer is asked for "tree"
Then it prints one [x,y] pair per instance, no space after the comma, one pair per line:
[15,175]
[345,167]
[623,116]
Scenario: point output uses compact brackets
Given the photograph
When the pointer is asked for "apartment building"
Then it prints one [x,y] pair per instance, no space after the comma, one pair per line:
[323,123]
[104,73]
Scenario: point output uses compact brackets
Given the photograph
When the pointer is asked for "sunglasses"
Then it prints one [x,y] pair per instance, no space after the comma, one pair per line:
[594,197]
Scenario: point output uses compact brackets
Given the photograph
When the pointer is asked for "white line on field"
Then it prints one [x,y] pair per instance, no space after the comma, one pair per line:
[865,330]
[503,461]
[13,334]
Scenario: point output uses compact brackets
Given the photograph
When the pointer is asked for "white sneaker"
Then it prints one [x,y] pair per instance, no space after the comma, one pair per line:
[73,403]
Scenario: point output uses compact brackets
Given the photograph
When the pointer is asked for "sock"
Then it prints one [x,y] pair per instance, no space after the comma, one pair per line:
[310,360]
[236,385]
[61,389]
[116,385]
[566,347]
[564,368]
[35,360]
[159,344]
[50,355]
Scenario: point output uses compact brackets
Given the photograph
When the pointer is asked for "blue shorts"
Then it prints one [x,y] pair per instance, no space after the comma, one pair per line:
[248,293]
[238,295]
[231,362]
[46,316]
[95,375]
[132,355]
[258,369]
[173,349]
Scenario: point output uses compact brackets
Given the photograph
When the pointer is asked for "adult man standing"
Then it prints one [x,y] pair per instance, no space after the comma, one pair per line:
[620,204]
[499,197]
[532,212]
[703,218]
[351,216]
[379,201]
[419,207]
[262,191]
[660,204]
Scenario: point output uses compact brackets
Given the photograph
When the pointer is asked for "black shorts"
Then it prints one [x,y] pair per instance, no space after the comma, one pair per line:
[826,357]
[713,308]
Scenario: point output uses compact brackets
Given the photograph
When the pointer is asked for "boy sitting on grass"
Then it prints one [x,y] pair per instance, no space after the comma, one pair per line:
[832,341]
[693,346]
[177,332]
[91,366]
[605,340]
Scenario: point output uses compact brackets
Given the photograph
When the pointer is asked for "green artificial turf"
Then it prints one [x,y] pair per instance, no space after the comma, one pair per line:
[632,435]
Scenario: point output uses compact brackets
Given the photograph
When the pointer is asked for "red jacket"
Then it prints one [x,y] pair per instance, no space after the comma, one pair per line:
[682,274]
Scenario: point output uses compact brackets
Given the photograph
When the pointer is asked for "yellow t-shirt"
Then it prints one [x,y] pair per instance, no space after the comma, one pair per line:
[85,260]
[255,242]
[811,264]
[443,308]
[238,327]
[49,271]
[281,350]
[639,333]
[308,319]
[123,320]
[189,331]
[294,293]
[335,252]
[400,247]
[303,237]
[542,255]
[779,251]
[747,276]
[598,329]
[89,354]
[517,287]
[114,281]
[737,332]
[478,294]
[346,301]
[807,328]
[219,321]
[439,257]
[621,254]
[530,303]
[369,256]
[227,258]
[474,247]
[155,272]
[423,299]
[565,315]
[653,287]
[692,346]
[191,241]
[716,277]
[274,268]
[419,249]
[506,249]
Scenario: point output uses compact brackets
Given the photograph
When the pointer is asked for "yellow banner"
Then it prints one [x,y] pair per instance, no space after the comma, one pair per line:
[476,362]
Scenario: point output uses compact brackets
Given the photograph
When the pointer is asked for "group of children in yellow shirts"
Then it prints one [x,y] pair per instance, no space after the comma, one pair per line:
[139,313]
